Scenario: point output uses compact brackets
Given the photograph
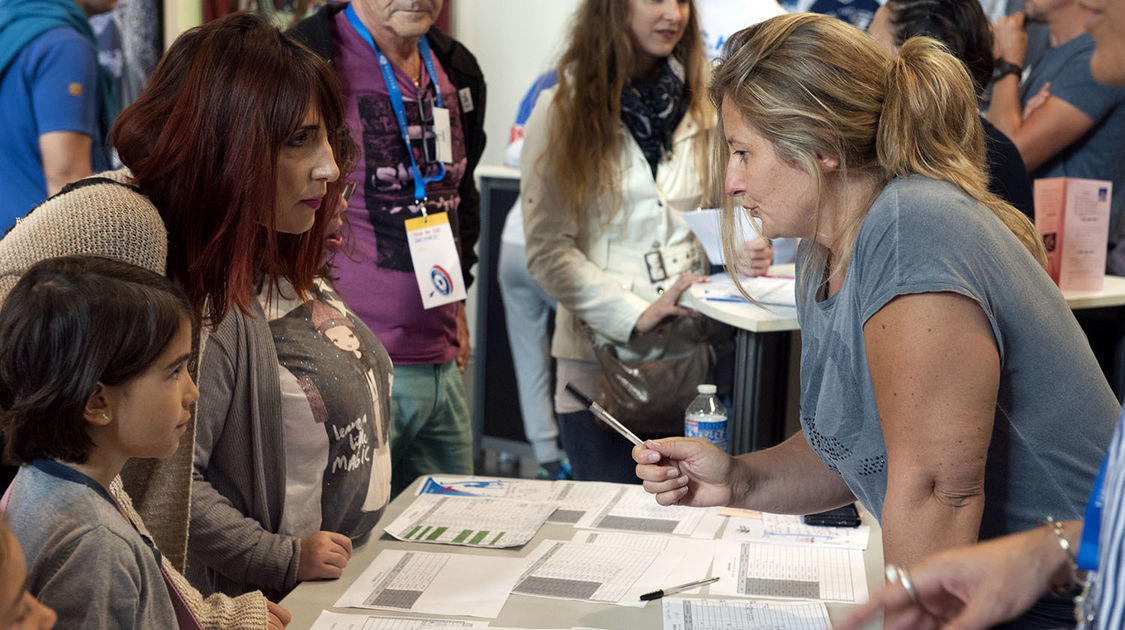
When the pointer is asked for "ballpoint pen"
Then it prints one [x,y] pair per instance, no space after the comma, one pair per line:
[672,590]
[603,415]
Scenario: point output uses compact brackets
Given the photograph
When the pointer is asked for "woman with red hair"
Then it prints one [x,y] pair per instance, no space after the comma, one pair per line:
[231,184]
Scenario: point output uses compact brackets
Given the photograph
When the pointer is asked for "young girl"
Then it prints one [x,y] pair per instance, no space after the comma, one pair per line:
[18,609]
[93,356]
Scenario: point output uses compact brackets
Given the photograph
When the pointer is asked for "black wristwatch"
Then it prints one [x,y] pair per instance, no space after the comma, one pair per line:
[1003,68]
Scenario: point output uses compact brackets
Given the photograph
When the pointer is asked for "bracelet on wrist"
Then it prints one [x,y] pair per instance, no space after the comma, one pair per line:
[1072,581]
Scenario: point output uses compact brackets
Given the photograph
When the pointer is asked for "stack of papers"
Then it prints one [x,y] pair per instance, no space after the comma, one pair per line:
[630,546]
[571,498]
[776,290]
[788,529]
[435,583]
[470,521]
[789,572]
[724,614]
[630,508]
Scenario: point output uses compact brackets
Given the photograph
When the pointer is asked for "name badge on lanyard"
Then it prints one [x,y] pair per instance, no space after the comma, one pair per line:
[437,267]
[433,250]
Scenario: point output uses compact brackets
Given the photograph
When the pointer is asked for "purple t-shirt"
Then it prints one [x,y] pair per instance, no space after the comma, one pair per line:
[376,274]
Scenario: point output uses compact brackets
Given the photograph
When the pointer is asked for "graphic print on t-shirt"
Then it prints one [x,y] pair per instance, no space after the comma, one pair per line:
[345,376]
[388,188]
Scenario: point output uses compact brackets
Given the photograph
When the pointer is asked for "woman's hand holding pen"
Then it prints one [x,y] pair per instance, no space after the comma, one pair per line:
[665,306]
[686,471]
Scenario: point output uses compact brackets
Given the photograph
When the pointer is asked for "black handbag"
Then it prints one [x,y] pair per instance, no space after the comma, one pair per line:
[650,397]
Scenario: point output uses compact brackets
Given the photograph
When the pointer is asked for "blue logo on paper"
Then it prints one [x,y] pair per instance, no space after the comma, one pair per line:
[443,283]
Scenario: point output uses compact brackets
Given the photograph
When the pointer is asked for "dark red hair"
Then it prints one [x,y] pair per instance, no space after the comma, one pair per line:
[203,140]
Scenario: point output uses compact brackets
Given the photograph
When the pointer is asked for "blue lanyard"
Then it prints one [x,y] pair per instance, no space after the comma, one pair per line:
[1092,525]
[397,103]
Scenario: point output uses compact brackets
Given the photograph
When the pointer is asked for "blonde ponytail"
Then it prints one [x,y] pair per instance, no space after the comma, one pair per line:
[815,86]
[930,126]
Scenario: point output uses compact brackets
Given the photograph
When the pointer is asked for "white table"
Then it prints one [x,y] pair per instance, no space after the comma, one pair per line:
[762,355]
[1112,294]
[520,611]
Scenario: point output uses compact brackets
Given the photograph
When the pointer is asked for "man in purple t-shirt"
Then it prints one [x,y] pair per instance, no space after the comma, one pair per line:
[431,428]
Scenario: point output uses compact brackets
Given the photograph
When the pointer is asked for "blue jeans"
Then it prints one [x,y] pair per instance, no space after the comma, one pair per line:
[596,452]
[526,311]
[431,430]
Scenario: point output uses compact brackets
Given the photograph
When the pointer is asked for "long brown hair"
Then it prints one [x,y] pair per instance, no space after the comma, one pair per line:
[586,133]
[816,86]
[203,140]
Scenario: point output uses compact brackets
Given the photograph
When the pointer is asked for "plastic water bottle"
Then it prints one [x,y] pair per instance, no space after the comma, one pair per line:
[707,418]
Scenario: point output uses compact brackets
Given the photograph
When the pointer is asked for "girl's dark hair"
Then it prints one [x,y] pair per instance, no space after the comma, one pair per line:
[203,140]
[959,24]
[68,324]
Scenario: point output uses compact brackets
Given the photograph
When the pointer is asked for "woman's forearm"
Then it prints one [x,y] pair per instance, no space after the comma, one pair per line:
[787,479]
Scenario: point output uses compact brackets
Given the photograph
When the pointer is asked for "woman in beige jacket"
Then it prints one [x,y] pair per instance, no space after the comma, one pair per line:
[610,161]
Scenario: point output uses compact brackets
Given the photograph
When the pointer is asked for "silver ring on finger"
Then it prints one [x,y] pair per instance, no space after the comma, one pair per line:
[899,575]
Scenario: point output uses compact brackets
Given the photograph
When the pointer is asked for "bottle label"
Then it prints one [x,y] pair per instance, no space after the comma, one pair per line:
[709,427]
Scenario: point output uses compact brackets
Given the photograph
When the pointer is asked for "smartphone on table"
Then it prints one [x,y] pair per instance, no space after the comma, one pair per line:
[846,516]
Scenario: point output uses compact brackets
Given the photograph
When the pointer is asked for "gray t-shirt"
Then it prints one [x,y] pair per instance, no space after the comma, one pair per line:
[1098,154]
[1055,413]
[84,559]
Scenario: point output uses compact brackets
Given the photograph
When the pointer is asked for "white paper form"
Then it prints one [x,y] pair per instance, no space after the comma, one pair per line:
[724,614]
[435,583]
[705,224]
[789,572]
[681,560]
[630,508]
[329,620]
[470,521]
[569,570]
[576,498]
[788,529]
[572,498]
[518,489]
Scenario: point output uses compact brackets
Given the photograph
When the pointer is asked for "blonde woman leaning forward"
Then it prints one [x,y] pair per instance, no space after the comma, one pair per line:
[975,587]
[939,364]
[611,158]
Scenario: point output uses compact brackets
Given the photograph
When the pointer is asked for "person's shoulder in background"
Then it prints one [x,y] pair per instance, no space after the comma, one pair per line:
[515,138]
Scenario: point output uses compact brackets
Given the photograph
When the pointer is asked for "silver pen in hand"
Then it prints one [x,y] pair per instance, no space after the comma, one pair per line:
[603,415]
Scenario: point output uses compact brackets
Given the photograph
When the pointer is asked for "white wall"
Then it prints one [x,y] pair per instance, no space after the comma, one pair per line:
[514,41]
[179,16]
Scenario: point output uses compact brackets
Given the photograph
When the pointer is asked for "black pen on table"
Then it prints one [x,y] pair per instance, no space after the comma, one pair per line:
[672,590]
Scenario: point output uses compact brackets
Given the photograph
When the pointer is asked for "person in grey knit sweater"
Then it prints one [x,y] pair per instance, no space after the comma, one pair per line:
[114,385]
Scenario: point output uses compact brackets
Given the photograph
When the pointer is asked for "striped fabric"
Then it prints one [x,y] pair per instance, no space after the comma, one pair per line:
[1107,598]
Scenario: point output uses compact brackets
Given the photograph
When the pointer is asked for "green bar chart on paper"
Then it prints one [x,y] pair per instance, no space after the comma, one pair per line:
[470,521]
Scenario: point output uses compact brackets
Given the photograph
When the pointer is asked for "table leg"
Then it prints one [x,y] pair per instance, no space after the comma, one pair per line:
[761,379]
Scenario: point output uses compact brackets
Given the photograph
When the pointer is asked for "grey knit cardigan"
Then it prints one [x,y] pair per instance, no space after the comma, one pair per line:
[103,215]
